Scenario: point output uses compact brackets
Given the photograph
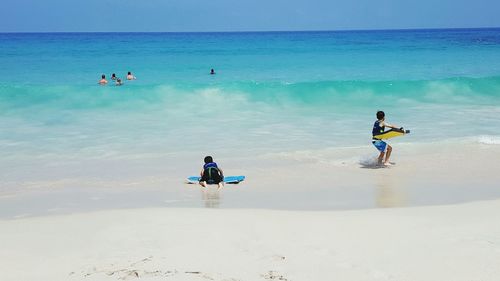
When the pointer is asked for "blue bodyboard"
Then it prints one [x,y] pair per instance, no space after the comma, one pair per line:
[228,180]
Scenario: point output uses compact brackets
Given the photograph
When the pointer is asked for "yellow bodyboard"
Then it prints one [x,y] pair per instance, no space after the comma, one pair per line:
[392,133]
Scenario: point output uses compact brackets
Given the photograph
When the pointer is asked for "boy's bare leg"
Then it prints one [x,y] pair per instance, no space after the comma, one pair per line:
[388,154]
[381,157]
[220,184]
[202,183]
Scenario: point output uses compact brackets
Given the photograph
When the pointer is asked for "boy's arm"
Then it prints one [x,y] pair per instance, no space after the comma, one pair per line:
[391,126]
[201,173]
[221,173]
[401,129]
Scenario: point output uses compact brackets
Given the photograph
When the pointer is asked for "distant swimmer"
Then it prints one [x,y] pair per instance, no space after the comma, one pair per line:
[382,146]
[130,76]
[103,80]
[113,77]
[118,82]
[212,71]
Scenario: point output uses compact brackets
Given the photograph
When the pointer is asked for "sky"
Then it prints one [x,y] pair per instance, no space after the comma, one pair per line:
[249,15]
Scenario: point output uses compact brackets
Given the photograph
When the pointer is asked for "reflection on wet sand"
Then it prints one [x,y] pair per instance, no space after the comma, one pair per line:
[389,192]
[211,197]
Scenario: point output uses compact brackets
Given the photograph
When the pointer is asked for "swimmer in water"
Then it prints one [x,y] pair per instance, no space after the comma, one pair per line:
[212,71]
[130,76]
[118,82]
[103,80]
[113,77]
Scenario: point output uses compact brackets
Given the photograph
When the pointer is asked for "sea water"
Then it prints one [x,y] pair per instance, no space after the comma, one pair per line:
[273,92]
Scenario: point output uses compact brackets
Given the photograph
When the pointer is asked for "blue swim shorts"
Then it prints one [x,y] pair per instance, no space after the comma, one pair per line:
[380,145]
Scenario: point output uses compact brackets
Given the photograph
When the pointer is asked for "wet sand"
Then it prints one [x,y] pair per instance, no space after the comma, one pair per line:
[330,179]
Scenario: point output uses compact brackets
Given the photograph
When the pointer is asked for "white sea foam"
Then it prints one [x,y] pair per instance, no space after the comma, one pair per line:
[368,161]
[492,140]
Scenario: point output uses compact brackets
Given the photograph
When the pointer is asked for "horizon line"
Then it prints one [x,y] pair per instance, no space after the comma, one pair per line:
[263,31]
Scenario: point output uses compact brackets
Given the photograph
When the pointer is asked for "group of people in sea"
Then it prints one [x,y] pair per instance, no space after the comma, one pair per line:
[130,76]
[118,80]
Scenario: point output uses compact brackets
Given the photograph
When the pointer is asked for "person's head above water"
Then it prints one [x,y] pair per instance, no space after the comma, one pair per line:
[380,115]
[103,80]
[208,159]
[130,76]
[212,71]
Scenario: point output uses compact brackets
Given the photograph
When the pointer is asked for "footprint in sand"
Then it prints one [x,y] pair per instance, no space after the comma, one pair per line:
[273,275]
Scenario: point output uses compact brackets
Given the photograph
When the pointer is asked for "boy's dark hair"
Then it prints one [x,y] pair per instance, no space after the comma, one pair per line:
[129,73]
[103,76]
[208,159]
[380,115]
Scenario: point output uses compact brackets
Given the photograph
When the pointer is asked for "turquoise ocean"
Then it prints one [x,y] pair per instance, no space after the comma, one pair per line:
[273,92]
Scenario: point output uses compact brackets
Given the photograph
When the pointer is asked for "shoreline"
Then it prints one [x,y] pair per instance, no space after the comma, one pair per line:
[419,243]
[329,179]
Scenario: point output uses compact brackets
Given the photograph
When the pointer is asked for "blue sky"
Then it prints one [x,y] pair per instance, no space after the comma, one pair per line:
[251,15]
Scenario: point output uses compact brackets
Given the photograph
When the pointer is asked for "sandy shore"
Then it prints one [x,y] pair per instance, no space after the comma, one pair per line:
[135,228]
[455,242]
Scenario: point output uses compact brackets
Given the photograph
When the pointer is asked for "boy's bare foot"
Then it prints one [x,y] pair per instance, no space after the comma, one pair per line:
[388,164]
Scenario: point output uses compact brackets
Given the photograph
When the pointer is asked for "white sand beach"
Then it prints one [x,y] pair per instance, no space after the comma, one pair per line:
[456,242]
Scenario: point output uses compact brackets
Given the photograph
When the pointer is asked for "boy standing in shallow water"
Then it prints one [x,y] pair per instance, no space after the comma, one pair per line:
[211,173]
[382,146]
